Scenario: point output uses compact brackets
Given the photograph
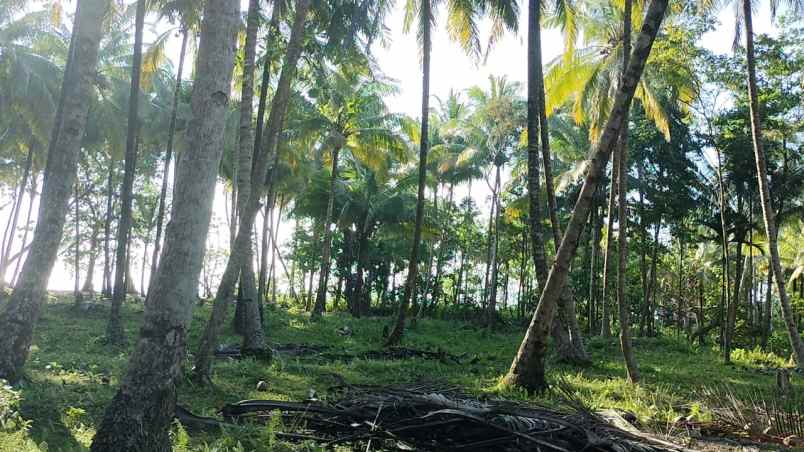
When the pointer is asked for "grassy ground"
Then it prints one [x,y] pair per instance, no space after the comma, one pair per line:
[72,374]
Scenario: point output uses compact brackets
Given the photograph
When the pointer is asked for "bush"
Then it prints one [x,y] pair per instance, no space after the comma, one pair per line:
[757,358]
[13,428]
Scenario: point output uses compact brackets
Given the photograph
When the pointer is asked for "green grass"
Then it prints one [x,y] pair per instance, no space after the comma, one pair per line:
[71,374]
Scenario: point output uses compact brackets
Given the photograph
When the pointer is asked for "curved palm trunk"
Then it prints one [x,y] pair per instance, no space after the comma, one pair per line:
[410,284]
[575,351]
[528,367]
[203,361]
[147,395]
[114,329]
[764,190]
[253,335]
[160,215]
[326,253]
[21,312]
[622,239]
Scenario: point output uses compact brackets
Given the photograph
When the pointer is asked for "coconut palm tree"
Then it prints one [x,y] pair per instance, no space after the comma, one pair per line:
[494,128]
[528,370]
[462,20]
[146,396]
[587,79]
[262,160]
[186,14]
[20,314]
[351,115]
[768,213]
[114,328]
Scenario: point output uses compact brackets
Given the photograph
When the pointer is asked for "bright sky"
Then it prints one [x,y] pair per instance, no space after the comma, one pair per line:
[451,69]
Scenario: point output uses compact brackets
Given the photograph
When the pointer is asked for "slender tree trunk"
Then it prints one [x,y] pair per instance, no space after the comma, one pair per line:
[4,259]
[160,215]
[147,395]
[731,309]
[267,224]
[577,351]
[651,306]
[114,329]
[24,242]
[767,319]
[88,285]
[528,367]
[326,253]
[107,234]
[622,240]
[275,254]
[605,321]
[78,299]
[643,251]
[203,361]
[491,304]
[253,336]
[410,286]
[20,313]
[8,233]
[594,248]
[768,214]
[748,285]
[442,246]
[489,244]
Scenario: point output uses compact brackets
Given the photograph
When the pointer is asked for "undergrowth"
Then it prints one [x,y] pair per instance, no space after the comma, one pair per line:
[71,375]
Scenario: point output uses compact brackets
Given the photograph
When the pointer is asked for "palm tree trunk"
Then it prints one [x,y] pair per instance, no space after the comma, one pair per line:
[650,307]
[21,312]
[595,249]
[767,319]
[731,308]
[253,336]
[275,123]
[410,285]
[17,207]
[107,234]
[528,367]
[605,321]
[489,243]
[147,394]
[326,253]
[622,240]
[88,285]
[275,254]
[160,215]
[764,190]
[24,242]
[577,352]
[267,224]
[77,299]
[114,329]
[491,303]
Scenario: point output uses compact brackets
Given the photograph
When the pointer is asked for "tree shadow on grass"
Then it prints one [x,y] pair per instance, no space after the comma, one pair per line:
[60,411]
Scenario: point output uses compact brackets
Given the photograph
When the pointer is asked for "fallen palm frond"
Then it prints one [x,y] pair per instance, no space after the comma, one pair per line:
[429,417]
[765,417]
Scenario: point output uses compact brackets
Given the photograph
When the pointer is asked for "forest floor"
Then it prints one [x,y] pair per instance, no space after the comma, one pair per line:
[72,375]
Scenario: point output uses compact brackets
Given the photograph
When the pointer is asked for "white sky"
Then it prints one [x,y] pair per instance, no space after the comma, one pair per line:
[450,69]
